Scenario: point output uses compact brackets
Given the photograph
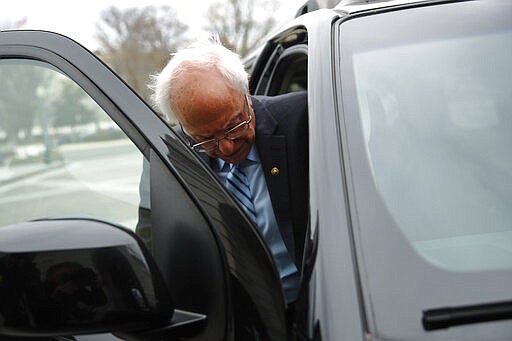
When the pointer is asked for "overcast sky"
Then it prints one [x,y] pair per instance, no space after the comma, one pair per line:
[77,19]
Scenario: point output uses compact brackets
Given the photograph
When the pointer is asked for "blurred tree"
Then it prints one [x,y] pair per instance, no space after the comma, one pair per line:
[19,101]
[137,42]
[240,24]
[68,105]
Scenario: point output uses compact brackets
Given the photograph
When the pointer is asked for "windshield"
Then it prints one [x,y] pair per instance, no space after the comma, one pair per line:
[435,107]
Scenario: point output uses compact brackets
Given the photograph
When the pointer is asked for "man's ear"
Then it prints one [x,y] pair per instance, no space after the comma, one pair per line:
[249,98]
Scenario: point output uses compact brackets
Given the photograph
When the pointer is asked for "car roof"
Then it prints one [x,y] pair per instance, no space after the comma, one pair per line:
[354,6]
[343,8]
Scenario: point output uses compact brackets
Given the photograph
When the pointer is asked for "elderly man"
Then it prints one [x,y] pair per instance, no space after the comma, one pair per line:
[256,145]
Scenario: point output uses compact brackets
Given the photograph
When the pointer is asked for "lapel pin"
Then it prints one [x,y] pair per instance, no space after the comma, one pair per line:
[274,171]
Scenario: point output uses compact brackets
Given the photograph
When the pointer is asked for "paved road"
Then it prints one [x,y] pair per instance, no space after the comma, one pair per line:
[97,179]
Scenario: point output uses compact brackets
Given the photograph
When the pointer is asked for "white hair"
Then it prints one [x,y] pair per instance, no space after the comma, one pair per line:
[203,55]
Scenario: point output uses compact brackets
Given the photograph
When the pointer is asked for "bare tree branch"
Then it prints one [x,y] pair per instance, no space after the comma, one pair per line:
[137,42]
[236,24]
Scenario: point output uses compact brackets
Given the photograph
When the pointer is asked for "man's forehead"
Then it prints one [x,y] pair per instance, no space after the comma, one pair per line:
[213,118]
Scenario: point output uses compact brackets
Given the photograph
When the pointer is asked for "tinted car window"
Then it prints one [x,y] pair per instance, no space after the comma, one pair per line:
[426,109]
[60,153]
[435,110]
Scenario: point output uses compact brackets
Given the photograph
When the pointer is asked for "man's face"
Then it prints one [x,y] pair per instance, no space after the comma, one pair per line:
[212,109]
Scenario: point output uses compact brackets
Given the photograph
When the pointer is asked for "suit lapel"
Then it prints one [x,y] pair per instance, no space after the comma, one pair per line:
[273,156]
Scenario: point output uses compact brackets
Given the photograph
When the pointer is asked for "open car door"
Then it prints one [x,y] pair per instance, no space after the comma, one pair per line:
[81,154]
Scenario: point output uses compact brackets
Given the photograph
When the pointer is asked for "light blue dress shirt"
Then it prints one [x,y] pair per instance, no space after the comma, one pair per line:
[266,220]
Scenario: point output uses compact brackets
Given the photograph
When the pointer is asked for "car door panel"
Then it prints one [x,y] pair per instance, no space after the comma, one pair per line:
[213,257]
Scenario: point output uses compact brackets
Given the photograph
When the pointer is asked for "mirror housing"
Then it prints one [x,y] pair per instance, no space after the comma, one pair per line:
[80,276]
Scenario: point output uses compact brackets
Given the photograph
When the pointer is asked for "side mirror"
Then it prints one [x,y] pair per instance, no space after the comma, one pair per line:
[81,276]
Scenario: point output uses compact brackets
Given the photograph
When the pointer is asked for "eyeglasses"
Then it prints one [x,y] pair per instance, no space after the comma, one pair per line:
[231,134]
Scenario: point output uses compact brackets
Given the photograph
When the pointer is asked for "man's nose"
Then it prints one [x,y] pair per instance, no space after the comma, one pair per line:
[226,146]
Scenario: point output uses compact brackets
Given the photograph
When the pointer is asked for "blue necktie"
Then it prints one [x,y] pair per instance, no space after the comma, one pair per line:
[237,183]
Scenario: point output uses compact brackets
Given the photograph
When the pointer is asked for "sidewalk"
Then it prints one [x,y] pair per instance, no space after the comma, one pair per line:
[10,174]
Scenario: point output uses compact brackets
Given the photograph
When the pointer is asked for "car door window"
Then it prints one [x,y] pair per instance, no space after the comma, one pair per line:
[429,163]
[284,70]
[290,73]
[61,155]
[438,147]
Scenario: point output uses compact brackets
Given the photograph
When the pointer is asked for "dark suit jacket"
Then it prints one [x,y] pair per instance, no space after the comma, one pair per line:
[282,142]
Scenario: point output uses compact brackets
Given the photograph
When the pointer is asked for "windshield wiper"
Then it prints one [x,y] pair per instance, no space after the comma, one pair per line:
[440,318]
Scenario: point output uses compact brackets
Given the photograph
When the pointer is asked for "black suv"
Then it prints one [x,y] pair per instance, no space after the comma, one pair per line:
[410,227]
